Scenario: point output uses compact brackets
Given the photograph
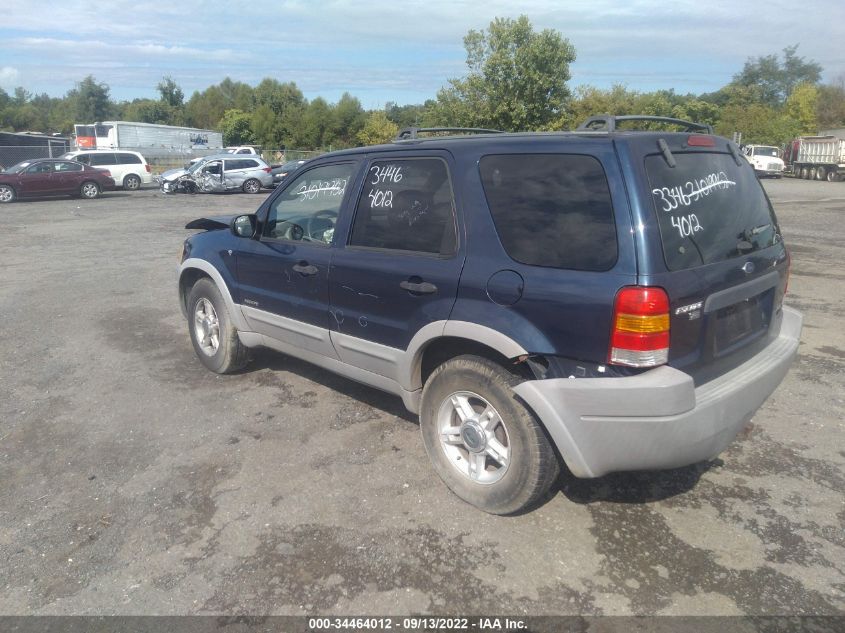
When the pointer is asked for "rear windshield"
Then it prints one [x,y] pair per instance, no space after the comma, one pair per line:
[709,209]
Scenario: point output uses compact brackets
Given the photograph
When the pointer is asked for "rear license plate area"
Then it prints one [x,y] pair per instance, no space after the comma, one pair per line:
[739,324]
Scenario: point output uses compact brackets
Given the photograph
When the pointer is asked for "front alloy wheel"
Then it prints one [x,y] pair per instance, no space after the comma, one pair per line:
[206,327]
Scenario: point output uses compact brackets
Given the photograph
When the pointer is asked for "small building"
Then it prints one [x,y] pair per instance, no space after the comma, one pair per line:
[838,132]
[15,147]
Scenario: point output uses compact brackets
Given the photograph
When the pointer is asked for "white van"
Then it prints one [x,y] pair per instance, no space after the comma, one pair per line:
[129,169]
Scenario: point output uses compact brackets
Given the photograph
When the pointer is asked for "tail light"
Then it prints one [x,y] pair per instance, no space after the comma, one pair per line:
[699,140]
[106,172]
[640,335]
[267,169]
[149,171]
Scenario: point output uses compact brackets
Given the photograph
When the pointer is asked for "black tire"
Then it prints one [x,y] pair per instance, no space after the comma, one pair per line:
[89,189]
[251,186]
[7,194]
[811,173]
[132,182]
[229,354]
[805,173]
[821,173]
[532,465]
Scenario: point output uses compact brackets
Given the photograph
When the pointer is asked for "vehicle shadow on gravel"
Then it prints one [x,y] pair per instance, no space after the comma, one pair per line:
[278,362]
[633,487]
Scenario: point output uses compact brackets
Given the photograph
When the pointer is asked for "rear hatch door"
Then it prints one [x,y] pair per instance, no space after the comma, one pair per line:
[710,238]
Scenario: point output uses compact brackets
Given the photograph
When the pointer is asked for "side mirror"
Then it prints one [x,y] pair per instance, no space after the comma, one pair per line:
[244,225]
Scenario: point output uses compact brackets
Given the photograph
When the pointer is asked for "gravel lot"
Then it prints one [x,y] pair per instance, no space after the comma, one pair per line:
[133,481]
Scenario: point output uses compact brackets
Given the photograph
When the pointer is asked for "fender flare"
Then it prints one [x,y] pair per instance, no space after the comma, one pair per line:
[234,310]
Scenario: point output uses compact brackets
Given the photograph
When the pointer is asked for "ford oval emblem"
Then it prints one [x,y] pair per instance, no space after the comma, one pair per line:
[748,268]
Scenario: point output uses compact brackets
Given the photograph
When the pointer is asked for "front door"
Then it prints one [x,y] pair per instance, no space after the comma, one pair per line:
[283,275]
[401,265]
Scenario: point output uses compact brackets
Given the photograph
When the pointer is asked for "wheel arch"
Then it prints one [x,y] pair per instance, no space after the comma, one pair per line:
[194,269]
[438,342]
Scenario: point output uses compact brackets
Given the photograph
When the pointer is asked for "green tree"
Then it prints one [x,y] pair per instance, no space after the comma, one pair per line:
[347,120]
[91,101]
[170,92]
[517,78]
[830,106]
[236,128]
[148,111]
[377,129]
[801,107]
[776,79]
[315,130]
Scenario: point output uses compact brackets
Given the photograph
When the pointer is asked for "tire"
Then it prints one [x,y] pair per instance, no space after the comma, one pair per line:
[804,173]
[7,194]
[89,189]
[832,176]
[811,173]
[252,186]
[821,173]
[498,458]
[213,335]
[132,182]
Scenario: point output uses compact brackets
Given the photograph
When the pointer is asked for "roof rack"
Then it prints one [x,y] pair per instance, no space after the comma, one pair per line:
[413,132]
[607,123]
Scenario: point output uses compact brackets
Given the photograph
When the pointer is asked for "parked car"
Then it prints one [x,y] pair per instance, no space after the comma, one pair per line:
[223,172]
[53,177]
[281,172]
[128,168]
[240,149]
[578,295]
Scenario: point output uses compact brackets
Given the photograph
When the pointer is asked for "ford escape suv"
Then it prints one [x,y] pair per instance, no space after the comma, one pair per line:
[609,298]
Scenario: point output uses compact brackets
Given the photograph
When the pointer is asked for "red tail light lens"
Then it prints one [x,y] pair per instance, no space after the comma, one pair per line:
[640,335]
[148,168]
[106,172]
[267,169]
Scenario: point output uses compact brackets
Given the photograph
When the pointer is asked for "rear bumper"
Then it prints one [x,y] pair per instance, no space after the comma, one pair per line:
[657,419]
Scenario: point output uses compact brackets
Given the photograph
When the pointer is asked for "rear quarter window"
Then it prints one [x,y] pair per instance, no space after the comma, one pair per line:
[128,159]
[708,208]
[552,210]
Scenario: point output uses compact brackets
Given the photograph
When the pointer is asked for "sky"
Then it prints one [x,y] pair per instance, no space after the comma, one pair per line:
[392,50]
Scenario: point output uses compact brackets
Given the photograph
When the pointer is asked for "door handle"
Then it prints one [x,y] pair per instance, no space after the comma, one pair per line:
[422,288]
[305,269]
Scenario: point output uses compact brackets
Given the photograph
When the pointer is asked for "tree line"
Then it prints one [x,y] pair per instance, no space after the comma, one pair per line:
[517,79]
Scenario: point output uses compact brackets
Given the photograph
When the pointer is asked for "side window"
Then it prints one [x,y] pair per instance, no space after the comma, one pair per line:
[99,160]
[85,159]
[551,210]
[406,205]
[213,167]
[308,208]
[232,165]
[68,166]
[128,159]
[40,168]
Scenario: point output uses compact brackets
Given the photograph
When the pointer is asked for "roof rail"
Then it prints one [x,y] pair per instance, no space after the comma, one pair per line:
[413,132]
[607,122]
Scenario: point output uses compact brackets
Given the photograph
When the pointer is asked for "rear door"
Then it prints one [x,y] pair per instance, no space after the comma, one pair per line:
[712,240]
[68,176]
[400,266]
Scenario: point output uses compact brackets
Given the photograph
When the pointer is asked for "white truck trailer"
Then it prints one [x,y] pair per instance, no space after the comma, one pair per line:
[817,158]
[149,138]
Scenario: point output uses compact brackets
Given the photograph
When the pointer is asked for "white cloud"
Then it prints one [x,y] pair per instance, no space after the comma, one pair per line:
[9,77]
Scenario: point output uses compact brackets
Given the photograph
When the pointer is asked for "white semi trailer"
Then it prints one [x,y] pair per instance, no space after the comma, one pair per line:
[817,158]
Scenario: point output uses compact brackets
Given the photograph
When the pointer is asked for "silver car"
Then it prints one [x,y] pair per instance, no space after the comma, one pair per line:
[223,172]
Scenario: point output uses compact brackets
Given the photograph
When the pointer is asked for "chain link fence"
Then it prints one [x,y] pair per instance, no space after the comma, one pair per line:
[159,159]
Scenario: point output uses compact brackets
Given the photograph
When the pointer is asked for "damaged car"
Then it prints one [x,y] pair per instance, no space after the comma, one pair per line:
[219,173]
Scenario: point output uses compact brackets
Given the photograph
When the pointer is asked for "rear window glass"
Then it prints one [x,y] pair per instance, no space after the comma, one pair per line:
[128,159]
[97,160]
[709,209]
[240,164]
[552,210]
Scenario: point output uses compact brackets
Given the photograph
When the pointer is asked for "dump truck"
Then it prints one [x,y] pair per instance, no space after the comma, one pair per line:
[816,158]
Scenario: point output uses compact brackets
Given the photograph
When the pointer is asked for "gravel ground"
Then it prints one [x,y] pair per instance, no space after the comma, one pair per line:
[133,481]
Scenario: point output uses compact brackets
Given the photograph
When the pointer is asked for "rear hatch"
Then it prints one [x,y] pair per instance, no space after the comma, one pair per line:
[711,239]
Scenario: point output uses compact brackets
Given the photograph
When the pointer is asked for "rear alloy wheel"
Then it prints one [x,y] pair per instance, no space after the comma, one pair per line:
[89,190]
[7,194]
[132,182]
[483,442]
[252,186]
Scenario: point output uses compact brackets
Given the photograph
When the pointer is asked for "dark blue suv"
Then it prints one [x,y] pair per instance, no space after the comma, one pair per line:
[610,298]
